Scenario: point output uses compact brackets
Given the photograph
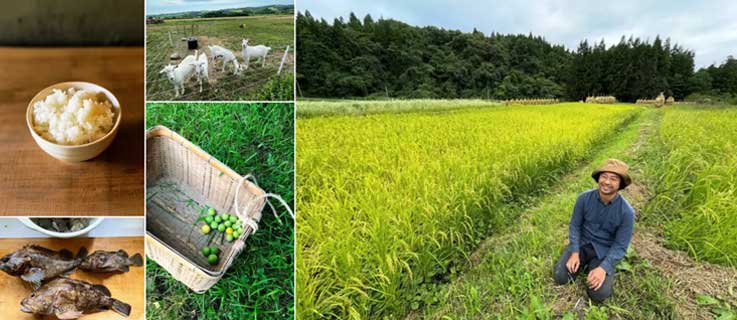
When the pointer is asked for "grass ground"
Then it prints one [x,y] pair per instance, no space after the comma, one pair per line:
[257,83]
[249,138]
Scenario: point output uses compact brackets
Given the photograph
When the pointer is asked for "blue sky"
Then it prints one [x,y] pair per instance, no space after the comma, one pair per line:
[172,6]
[709,28]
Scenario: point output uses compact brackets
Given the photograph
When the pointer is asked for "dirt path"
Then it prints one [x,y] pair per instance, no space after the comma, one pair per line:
[689,277]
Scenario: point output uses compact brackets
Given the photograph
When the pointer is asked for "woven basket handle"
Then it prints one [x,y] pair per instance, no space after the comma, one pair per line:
[245,214]
[273,210]
[253,224]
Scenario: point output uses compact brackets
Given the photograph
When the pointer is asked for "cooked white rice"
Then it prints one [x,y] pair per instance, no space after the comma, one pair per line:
[73,117]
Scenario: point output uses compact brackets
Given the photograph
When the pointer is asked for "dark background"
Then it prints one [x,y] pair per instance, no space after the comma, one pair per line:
[71,23]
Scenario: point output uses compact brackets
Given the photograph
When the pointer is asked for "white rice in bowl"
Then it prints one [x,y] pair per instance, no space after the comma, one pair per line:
[73,117]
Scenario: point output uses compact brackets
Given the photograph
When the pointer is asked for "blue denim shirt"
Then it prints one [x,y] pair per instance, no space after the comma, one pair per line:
[608,227]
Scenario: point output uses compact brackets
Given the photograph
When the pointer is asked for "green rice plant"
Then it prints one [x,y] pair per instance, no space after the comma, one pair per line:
[392,203]
[696,182]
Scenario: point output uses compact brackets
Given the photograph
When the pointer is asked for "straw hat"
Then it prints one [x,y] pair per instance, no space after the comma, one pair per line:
[614,166]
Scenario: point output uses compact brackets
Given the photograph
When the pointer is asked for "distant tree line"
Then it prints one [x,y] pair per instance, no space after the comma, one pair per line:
[255,11]
[234,12]
[629,70]
[388,58]
[716,82]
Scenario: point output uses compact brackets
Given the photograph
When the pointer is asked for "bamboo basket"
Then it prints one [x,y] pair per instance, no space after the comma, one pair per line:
[180,177]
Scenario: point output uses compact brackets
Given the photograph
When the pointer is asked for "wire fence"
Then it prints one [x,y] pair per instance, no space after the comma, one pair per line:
[222,88]
[164,40]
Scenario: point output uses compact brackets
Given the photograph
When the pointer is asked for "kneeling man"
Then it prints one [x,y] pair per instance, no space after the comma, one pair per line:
[599,233]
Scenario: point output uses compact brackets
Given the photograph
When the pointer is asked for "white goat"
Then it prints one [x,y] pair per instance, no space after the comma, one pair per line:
[226,55]
[179,74]
[259,51]
[201,65]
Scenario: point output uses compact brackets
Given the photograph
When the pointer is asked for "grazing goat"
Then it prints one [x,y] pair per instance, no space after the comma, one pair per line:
[179,74]
[226,55]
[201,66]
[259,51]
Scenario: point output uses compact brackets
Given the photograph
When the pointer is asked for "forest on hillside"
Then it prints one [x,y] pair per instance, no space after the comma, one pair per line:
[276,9]
[364,58]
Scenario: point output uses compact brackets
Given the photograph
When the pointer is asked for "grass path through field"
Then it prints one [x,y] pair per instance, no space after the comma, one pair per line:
[510,275]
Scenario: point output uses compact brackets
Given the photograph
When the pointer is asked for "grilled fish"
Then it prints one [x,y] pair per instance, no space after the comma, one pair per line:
[110,261]
[36,264]
[69,298]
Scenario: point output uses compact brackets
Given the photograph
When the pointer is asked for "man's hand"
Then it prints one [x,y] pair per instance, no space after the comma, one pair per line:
[596,278]
[573,262]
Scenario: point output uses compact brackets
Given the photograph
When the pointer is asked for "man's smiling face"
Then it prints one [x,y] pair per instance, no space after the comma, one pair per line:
[609,183]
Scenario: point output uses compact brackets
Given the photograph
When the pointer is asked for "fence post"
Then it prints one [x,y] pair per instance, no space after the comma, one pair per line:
[283,58]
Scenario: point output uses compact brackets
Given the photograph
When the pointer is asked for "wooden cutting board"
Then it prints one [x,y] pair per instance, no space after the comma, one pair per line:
[32,183]
[127,287]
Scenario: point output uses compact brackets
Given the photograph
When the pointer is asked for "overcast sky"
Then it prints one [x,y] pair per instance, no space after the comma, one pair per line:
[173,6]
[709,28]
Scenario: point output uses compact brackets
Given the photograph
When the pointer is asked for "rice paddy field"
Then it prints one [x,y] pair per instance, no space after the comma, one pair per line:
[431,211]
[256,83]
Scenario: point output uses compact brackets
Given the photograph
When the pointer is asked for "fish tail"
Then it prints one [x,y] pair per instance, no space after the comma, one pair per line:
[121,307]
[136,260]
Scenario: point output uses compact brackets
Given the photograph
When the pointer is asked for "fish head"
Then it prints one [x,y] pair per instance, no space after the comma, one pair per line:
[15,263]
[37,302]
